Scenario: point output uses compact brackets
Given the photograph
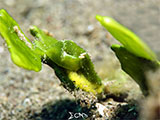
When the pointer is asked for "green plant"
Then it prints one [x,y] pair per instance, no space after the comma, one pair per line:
[135,56]
[71,63]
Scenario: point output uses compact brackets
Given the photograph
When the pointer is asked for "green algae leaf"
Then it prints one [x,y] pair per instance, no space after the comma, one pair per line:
[127,38]
[20,47]
[135,66]
[62,54]
[43,41]
[71,63]
[78,65]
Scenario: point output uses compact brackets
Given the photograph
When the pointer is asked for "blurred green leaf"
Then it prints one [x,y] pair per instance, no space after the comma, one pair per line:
[19,45]
[126,37]
[135,66]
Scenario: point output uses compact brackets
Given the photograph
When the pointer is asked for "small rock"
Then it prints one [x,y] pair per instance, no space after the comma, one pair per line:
[102,110]
[27,102]
[90,28]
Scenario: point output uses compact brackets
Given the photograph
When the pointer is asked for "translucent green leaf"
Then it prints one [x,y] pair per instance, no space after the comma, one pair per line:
[60,54]
[19,45]
[71,63]
[42,41]
[135,66]
[129,40]
[69,55]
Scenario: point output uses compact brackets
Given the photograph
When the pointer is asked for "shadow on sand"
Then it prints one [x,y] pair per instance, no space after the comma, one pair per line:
[62,110]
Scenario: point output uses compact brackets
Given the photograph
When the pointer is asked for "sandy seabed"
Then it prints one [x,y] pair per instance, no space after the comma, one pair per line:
[25,94]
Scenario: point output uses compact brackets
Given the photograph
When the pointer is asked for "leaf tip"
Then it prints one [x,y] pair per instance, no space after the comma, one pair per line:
[2,10]
[99,18]
[115,46]
[104,19]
